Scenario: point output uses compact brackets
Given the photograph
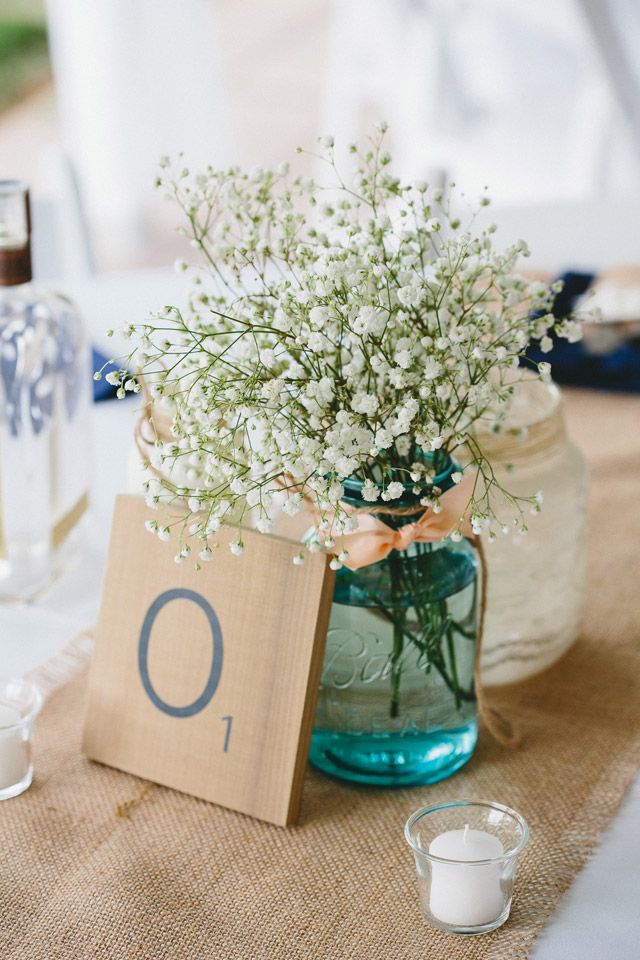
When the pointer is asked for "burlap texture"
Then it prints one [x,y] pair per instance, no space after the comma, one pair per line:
[96,863]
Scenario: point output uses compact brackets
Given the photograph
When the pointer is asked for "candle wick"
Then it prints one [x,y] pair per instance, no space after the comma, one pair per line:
[466,833]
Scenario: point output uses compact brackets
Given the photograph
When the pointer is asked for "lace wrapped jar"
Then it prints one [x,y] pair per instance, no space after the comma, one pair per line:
[536,582]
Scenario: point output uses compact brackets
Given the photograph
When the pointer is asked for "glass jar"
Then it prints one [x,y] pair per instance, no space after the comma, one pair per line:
[535,582]
[396,705]
[45,395]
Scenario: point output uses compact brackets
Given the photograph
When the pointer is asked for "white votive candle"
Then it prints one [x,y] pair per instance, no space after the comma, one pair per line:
[466,893]
[14,749]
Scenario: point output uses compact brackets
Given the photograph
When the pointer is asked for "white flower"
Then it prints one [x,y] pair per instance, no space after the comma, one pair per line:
[297,559]
[370,492]
[409,296]
[393,491]
[164,533]
[571,330]
[206,554]
[366,403]
[319,315]
[292,505]
[316,342]
[335,564]
[371,320]
[151,525]
[383,439]
[403,359]
[236,547]
[281,321]
[113,377]
[431,368]
[456,476]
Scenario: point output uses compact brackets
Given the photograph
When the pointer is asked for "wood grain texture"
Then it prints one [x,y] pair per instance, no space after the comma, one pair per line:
[273,619]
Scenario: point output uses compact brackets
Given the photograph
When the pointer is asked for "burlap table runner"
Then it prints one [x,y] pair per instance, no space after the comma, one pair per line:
[96,863]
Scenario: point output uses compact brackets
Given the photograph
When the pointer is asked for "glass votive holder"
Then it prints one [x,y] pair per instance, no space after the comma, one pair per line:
[20,703]
[466,854]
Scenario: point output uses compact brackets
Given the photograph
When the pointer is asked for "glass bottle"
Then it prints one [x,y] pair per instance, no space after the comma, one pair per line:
[45,393]
[396,705]
[535,594]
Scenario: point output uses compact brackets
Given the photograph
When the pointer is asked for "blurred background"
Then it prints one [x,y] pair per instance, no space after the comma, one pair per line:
[539,101]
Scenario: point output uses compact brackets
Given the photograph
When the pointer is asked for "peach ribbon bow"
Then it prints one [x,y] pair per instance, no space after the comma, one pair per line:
[374,540]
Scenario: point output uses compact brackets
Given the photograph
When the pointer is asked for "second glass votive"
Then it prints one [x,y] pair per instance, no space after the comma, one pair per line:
[20,703]
[466,854]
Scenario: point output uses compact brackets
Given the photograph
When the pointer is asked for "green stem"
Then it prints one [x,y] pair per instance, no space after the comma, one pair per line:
[451,649]
[437,629]
[398,620]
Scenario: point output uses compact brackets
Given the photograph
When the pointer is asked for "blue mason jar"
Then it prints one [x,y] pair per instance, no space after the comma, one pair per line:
[396,705]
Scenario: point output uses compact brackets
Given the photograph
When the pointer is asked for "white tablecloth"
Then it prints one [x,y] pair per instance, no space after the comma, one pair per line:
[599,918]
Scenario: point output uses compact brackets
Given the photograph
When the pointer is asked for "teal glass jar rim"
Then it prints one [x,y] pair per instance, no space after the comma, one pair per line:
[509,854]
[353,485]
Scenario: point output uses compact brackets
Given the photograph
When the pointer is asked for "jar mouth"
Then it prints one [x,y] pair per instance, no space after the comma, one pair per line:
[354,485]
[534,426]
[509,854]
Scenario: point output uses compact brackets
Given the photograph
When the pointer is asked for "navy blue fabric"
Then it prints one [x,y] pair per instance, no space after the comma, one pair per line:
[573,365]
[101,389]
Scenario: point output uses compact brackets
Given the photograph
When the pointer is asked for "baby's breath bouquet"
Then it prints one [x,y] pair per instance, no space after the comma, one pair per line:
[343,341]
[357,328]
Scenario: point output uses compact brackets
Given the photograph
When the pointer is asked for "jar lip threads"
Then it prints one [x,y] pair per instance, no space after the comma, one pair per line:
[535,426]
